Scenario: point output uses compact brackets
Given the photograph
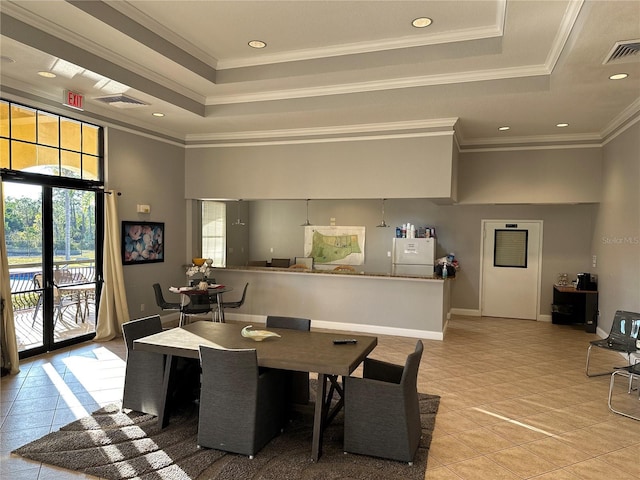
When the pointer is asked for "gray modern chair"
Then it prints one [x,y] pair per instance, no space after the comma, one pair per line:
[382,412]
[145,370]
[298,388]
[61,302]
[161,302]
[235,304]
[241,405]
[625,332]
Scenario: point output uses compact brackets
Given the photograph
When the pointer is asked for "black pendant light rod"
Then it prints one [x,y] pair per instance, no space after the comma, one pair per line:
[307,222]
[238,222]
[383,223]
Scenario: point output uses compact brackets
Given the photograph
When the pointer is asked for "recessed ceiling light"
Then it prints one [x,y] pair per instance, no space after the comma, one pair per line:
[257,44]
[47,74]
[504,129]
[422,22]
[562,125]
[618,76]
[158,114]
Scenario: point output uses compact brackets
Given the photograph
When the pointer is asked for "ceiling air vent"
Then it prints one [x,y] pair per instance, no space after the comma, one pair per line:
[623,52]
[121,101]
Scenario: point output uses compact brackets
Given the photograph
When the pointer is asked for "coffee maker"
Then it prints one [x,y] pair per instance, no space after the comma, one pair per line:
[587,281]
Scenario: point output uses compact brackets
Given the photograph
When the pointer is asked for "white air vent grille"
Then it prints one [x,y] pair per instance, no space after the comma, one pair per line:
[121,101]
[623,52]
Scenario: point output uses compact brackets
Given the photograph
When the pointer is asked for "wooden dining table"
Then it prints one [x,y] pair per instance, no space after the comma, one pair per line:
[306,351]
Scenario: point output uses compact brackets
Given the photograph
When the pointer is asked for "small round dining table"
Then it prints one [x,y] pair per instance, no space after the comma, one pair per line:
[188,292]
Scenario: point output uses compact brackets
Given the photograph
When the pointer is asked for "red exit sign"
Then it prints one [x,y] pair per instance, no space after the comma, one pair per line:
[73,99]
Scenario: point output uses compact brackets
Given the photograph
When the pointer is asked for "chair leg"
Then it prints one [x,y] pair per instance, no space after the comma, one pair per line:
[600,374]
[611,385]
[35,313]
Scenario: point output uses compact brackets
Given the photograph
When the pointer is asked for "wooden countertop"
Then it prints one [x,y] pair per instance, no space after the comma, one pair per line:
[329,272]
[567,289]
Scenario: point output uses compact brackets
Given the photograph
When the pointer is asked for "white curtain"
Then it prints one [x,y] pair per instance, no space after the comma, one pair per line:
[113,310]
[9,344]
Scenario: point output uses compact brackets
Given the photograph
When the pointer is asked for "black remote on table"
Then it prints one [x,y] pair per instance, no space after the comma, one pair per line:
[345,341]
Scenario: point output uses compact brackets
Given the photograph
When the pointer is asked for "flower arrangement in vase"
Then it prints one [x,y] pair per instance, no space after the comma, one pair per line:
[200,266]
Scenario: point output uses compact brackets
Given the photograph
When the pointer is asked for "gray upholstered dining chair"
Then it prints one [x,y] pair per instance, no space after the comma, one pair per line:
[298,388]
[241,405]
[382,412]
[145,370]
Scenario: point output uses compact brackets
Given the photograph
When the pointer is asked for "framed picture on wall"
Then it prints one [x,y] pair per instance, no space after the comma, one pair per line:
[142,242]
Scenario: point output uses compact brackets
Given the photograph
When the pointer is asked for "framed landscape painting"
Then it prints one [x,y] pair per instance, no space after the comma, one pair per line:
[142,242]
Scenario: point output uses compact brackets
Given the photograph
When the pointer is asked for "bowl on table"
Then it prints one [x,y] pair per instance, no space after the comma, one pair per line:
[257,335]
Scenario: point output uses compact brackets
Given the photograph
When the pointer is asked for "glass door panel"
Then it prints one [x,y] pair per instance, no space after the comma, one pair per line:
[74,254]
[24,240]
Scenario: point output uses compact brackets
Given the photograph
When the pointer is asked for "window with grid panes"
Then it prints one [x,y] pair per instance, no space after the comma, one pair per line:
[36,141]
[214,232]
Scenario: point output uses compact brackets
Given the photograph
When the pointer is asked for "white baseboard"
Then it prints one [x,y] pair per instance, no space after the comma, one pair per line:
[467,312]
[544,318]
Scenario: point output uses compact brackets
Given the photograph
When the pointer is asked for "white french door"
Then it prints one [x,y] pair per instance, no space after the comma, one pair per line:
[511,265]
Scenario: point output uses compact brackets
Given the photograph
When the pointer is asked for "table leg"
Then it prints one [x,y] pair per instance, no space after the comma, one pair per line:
[220,309]
[184,301]
[165,402]
[76,298]
[319,417]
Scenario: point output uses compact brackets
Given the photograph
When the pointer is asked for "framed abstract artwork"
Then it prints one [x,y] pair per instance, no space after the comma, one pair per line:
[142,242]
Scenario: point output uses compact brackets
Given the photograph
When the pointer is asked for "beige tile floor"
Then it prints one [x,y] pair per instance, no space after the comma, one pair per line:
[515,403]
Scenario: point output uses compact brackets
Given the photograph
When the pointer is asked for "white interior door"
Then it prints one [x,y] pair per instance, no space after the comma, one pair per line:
[511,259]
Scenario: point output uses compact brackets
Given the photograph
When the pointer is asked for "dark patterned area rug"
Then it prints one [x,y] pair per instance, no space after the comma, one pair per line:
[113,444]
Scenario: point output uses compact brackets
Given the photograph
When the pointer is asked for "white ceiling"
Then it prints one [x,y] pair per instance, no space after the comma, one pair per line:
[332,66]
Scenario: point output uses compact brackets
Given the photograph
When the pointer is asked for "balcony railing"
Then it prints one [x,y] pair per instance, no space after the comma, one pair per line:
[74,312]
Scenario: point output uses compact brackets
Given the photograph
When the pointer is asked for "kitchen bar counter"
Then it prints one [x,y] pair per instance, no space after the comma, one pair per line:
[329,272]
[376,303]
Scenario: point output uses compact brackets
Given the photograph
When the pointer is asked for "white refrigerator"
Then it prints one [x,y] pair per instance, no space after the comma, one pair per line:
[413,256]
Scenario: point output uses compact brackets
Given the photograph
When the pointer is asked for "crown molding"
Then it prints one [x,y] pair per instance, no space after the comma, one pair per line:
[564,31]
[436,127]
[333,139]
[623,121]
[378,85]
[529,147]
[440,124]
[552,141]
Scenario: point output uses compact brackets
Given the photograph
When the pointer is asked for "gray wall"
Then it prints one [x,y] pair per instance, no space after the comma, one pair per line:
[149,172]
[616,236]
[542,176]
[410,167]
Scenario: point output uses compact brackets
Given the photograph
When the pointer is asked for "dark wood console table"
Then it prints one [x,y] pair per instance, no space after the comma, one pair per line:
[571,306]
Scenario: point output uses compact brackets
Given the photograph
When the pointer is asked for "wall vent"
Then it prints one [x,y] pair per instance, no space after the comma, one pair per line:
[623,52]
[121,101]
